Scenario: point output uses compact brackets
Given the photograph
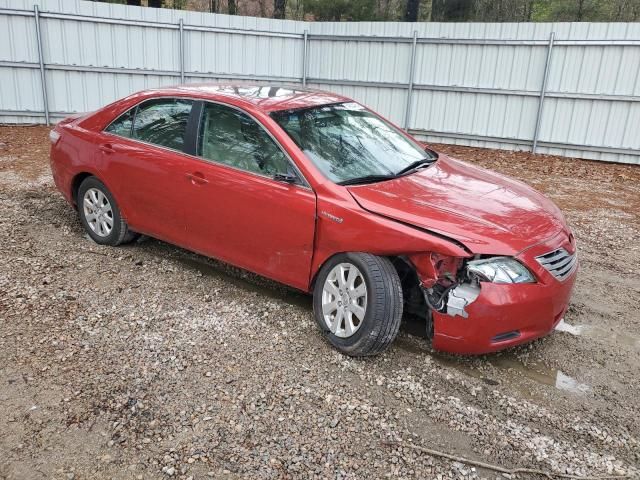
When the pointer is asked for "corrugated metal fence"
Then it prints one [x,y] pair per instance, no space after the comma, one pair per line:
[565,88]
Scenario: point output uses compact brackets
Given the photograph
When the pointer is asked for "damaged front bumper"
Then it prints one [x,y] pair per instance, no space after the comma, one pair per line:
[487,317]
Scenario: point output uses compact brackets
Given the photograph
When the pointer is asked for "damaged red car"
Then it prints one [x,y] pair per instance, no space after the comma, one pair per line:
[316,191]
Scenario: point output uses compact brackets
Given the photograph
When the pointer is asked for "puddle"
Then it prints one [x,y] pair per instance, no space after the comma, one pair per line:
[572,329]
[277,292]
[565,382]
[598,332]
[493,369]
[541,374]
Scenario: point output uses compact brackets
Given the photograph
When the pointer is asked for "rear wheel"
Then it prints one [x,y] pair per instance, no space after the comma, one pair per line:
[357,302]
[100,214]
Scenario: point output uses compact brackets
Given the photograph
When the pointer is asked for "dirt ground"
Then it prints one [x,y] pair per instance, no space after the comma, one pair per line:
[147,361]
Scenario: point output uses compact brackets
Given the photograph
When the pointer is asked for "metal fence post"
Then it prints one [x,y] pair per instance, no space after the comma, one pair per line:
[181,24]
[45,99]
[305,54]
[412,66]
[543,90]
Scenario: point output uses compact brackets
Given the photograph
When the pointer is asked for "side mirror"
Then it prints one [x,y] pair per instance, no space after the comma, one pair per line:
[286,178]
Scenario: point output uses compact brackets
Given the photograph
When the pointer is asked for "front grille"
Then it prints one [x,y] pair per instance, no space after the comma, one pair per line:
[559,263]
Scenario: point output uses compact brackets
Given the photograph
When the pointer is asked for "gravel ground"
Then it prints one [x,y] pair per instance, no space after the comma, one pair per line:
[148,361]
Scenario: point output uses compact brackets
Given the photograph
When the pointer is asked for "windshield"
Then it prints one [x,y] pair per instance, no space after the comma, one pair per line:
[347,142]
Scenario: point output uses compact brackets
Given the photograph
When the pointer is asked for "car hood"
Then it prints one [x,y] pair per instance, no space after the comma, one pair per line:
[488,212]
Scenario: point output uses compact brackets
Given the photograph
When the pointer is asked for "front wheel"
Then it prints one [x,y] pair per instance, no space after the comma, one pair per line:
[357,302]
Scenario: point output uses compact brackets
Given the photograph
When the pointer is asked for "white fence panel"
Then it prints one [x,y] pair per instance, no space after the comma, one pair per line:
[465,83]
[243,55]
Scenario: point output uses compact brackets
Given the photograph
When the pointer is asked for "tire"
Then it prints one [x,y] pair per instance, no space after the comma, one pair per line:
[383,299]
[116,231]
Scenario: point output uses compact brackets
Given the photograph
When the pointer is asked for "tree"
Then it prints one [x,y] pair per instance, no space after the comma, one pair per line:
[361,11]
[452,10]
[326,9]
[279,7]
[417,10]
[503,10]
[337,10]
[570,10]
[411,11]
[263,8]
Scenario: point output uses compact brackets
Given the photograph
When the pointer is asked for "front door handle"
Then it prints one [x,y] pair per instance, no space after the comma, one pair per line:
[197,178]
[107,148]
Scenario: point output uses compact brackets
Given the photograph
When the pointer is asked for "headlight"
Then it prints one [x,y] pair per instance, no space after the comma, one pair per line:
[500,270]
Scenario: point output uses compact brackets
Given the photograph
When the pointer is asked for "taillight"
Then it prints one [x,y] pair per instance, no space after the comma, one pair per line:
[54,137]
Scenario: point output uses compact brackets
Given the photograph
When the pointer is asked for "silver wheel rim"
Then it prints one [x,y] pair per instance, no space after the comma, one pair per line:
[98,212]
[344,300]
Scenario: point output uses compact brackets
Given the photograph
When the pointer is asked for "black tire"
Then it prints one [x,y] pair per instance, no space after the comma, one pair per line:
[120,232]
[383,313]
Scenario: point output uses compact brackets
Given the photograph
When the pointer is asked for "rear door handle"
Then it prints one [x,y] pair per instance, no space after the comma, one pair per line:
[197,178]
[107,148]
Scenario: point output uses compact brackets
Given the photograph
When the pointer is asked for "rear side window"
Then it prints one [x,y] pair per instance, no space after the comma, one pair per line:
[162,122]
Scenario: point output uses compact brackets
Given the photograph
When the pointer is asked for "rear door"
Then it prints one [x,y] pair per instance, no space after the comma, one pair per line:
[143,154]
[237,211]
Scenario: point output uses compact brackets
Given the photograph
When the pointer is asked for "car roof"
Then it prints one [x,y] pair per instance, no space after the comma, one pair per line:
[268,98]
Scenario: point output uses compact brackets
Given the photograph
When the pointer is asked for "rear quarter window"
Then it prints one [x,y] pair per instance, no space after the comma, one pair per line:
[122,125]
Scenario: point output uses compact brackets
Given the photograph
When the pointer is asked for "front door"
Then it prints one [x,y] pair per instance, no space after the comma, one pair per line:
[236,211]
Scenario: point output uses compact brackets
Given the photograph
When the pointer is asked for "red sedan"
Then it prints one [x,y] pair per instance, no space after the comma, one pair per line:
[316,191]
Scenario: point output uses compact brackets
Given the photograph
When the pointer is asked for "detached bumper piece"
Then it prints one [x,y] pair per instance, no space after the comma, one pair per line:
[460,297]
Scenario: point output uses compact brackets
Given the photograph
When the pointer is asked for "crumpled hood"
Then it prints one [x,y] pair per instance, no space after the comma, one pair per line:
[486,211]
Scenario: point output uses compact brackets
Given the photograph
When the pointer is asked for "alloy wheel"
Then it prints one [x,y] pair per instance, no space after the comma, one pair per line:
[98,212]
[344,300]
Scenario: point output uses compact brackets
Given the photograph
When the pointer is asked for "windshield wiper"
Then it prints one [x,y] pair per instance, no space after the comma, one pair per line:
[423,162]
[412,167]
[366,179]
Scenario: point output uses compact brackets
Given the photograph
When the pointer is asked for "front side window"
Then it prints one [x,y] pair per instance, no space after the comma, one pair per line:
[162,122]
[233,138]
[346,142]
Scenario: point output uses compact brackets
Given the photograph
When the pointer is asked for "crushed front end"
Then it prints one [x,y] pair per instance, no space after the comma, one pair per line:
[487,303]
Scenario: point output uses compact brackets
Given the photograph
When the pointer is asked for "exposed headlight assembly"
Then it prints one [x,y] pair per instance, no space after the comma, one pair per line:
[500,270]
